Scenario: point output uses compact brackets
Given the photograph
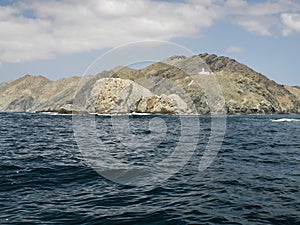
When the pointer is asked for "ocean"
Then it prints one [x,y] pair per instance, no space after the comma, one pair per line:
[51,175]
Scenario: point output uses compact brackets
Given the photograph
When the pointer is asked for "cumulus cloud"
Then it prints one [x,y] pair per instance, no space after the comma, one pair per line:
[260,18]
[238,4]
[260,25]
[70,26]
[234,50]
[34,29]
[291,22]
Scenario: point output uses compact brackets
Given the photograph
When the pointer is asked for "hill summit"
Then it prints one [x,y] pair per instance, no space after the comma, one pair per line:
[169,86]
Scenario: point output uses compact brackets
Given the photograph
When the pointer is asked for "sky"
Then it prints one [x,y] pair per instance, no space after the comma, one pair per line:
[61,38]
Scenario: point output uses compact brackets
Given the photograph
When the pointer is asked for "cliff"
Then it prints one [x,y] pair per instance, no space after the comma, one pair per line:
[247,91]
[154,89]
[37,93]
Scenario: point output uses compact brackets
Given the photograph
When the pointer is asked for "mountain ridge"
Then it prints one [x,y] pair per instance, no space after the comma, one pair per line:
[245,90]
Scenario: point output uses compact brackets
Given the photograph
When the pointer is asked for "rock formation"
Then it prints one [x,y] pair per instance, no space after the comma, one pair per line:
[168,87]
[37,93]
[115,95]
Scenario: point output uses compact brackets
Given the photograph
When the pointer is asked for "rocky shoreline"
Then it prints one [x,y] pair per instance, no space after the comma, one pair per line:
[154,90]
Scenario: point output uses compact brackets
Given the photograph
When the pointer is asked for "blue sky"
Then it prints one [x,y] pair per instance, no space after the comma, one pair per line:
[62,38]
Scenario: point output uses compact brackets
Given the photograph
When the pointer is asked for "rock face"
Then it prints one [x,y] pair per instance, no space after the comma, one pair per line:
[244,90]
[247,91]
[37,93]
[154,90]
[115,95]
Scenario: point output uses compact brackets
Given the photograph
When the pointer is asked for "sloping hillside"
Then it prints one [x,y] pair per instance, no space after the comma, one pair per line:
[32,93]
[233,88]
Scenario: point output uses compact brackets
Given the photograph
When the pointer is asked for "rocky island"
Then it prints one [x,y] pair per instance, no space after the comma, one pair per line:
[125,90]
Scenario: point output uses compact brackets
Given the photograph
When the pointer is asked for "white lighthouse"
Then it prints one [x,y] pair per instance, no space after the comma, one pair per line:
[203,72]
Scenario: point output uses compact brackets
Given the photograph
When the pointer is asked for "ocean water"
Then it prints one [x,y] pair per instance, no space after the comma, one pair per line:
[46,179]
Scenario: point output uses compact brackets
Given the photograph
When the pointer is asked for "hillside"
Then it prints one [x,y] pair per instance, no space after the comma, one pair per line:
[34,93]
[159,88]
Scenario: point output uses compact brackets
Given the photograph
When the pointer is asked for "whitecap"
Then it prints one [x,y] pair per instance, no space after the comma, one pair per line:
[286,120]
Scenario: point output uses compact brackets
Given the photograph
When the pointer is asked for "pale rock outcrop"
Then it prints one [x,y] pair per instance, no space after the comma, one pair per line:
[115,95]
[156,104]
[174,86]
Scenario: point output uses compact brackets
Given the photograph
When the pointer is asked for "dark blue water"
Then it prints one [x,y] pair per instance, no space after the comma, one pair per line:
[45,179]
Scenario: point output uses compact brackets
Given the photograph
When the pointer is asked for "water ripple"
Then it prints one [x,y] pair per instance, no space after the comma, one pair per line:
[255,178]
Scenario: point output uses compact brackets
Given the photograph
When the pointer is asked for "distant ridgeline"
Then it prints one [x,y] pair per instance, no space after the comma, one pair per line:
[122,90]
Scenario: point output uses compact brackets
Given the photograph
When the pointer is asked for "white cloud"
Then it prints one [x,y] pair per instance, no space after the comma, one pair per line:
[234,50]
[260,25]
[260,18]
[291,22]
[54,27]
[271,7]
[70,26]
[236,4]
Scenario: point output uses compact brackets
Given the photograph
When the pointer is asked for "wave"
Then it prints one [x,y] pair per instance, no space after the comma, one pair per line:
[286,120]
[122,114]
[55,114]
